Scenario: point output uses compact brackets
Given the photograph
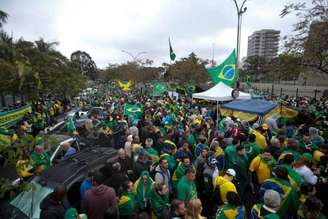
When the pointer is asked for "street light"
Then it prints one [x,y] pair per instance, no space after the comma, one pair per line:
[134,57]
[240,11]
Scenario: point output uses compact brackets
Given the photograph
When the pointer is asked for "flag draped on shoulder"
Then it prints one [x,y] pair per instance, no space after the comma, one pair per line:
[225,72]
[159,88]
[172,54]
[125,85]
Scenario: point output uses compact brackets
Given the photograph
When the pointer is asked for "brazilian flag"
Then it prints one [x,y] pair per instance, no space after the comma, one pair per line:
[133,112]
[125,85]
[159,88]
[225,72]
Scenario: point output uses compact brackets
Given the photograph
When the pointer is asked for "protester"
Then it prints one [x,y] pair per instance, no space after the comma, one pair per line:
[194,209]
[269,209]
[281,184]
[262,165]
[86,185]
[99,198]
[159,199]
[224,184]
[68,149]
[142,188]
[186,188]
[300,166]
[126,201]
[40,159]
[177,210]
[54,205]
[232,209]
[162,174]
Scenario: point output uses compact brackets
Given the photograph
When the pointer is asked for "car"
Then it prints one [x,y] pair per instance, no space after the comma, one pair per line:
[69,172]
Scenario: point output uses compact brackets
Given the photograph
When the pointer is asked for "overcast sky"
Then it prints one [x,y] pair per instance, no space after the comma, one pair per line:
[104,28]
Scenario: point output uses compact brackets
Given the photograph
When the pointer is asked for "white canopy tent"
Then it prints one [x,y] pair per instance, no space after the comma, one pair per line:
[220,92]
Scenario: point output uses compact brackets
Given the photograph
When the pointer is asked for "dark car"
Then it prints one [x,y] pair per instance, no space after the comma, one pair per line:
[69,172]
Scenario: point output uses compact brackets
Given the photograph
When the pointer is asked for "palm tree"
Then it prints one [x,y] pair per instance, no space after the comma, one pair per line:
[3,18]
[45,46]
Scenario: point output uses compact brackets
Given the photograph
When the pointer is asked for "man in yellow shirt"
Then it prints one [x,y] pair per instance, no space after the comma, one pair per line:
[224,184]
[262,165]
[260,138]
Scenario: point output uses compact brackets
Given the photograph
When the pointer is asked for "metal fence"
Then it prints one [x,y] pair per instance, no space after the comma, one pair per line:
[290,90]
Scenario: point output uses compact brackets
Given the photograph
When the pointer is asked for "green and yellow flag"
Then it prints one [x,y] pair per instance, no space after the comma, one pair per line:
[133,112]
[125,85]
[225,72]
[159,88]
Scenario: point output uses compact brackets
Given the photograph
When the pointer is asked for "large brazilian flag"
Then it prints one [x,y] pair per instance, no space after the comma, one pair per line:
[225,72]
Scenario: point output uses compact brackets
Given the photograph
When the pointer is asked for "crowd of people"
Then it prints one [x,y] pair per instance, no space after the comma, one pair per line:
[178,160]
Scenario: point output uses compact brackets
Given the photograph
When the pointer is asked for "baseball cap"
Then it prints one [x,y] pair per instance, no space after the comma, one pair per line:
[308,156]
[231,172]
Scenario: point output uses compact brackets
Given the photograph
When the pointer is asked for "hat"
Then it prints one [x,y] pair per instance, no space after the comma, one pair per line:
[265,126]
[71,213]
[231,172]
[308,156]
[271,198]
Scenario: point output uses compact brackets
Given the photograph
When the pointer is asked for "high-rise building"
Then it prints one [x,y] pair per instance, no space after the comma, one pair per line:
[264,43]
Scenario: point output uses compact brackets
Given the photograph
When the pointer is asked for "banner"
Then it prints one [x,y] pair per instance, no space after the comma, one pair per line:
[11,117]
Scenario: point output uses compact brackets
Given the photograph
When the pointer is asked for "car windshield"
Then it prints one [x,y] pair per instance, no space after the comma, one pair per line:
[29,201]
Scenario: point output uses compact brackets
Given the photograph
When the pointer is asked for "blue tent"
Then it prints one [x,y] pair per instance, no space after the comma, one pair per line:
[258,107]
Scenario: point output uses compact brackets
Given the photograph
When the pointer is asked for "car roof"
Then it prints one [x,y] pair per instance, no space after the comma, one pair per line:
[77,166]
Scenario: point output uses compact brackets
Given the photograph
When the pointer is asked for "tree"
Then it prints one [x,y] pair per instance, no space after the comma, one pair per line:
[3,18]
[310,34]
[255,66]
[84,61]
[285,67]
[188,69]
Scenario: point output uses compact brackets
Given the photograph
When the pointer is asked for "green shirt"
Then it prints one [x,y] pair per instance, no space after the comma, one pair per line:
[186,190]
[252,150]
[40,159]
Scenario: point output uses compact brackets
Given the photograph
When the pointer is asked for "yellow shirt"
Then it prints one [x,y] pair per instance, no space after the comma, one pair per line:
[317,155]
[261,168]
[225,187]
[260,140]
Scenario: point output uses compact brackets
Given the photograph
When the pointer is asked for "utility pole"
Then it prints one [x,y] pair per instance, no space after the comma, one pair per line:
[240,11]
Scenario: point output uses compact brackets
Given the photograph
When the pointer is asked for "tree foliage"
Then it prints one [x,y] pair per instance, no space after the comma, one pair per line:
[36,69]
[84,61]
[188,69]
[3,18]
[137,71]
[310,34]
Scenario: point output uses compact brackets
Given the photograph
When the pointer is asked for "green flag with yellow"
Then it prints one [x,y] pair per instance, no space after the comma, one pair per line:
[225,72]
[133,112]
[159,88]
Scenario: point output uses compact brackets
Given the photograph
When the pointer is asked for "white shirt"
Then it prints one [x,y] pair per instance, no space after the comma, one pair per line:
[307,175]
